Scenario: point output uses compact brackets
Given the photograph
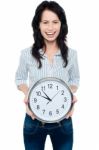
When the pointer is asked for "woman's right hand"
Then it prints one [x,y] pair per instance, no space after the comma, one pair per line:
[28,111]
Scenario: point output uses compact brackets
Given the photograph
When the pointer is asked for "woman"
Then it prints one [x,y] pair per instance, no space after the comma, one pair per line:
[48,57]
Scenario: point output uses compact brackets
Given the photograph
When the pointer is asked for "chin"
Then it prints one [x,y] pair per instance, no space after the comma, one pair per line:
[51,40]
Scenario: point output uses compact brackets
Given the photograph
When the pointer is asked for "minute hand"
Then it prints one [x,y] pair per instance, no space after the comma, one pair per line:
[47,97]
[55,94]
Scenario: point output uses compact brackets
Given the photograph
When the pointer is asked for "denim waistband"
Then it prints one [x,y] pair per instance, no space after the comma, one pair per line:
[52,125]
[39,123]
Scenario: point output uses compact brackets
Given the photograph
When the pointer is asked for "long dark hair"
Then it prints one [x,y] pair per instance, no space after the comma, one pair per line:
[39,40]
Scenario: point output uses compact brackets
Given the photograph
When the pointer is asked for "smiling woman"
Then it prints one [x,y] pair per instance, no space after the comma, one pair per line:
[49,56]
[50,19]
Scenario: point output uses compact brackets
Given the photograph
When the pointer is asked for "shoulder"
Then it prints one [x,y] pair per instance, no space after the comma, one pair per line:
[26,51]
[26,54]
[72,53]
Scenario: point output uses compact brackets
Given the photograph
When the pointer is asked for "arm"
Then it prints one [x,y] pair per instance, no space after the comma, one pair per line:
[24,88]
[73,88]
[22,70]
[21,80]
[22,74]
[74,77]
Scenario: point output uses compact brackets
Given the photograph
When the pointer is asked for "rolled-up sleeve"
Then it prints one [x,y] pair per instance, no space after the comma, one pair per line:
[74,75]
[22,71]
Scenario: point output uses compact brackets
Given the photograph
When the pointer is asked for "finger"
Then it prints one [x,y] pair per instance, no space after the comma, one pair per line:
[74,99]
[26,101]
[28,110]
[33,116]
[70,113]
[30,113]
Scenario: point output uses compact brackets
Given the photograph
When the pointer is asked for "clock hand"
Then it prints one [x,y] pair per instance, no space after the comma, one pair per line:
[47,102]
[55,94]
[47,96]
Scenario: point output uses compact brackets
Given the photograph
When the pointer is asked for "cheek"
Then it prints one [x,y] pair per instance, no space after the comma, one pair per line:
[58,28]
[58,31]
[42,30]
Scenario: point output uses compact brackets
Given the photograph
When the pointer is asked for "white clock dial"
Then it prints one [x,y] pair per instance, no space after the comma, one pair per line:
[50,99]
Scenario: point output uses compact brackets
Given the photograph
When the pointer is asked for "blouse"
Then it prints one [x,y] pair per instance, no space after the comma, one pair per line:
[29,73]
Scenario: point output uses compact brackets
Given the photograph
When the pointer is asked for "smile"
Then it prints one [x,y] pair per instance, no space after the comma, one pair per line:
[50,33]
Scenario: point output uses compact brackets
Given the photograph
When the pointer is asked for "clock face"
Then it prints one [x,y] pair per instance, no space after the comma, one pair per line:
[50,99]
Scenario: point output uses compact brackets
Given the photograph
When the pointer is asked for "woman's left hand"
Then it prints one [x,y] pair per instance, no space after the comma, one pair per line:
[70,113]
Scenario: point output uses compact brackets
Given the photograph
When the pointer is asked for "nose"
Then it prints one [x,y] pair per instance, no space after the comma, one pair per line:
[50,26]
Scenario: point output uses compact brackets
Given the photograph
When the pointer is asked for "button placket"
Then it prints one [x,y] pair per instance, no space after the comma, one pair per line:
[50,68]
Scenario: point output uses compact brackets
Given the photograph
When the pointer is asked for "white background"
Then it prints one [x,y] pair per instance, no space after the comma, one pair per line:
[15,35]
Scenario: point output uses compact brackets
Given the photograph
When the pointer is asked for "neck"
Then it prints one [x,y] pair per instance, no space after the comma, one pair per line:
[51,47]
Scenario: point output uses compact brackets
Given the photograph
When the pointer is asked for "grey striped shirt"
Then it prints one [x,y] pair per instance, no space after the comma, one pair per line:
[28,72]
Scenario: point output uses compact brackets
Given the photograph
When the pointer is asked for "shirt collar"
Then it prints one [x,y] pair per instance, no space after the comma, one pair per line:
[58,53]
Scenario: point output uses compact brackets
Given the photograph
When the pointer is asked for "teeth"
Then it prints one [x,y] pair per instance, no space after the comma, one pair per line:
[50,33]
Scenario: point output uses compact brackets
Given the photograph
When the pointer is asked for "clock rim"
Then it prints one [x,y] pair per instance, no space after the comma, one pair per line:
[51,79]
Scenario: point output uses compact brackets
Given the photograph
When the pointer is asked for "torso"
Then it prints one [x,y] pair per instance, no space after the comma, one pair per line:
[51,66]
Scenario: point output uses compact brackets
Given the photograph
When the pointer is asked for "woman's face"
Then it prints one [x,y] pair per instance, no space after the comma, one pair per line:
[50,26]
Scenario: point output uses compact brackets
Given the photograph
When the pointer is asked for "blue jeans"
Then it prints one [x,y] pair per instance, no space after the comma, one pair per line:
[34,133]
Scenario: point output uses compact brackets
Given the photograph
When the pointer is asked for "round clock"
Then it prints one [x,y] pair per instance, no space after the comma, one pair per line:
[50,99]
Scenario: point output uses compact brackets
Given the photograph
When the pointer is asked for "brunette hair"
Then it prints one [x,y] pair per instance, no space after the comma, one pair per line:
[38,38]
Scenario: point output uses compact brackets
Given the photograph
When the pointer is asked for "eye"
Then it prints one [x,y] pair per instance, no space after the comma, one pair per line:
[55,22]
[45,22]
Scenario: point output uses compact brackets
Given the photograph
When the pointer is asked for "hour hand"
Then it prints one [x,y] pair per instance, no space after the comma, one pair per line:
[54,96]
[47,97]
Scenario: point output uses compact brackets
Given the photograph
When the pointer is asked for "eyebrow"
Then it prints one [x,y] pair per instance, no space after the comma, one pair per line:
[48,20]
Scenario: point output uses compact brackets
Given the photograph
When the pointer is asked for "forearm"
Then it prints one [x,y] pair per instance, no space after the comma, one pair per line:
[73,88]
[24,88]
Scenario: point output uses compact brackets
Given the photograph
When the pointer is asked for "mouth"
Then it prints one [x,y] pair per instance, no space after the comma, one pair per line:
[50,34]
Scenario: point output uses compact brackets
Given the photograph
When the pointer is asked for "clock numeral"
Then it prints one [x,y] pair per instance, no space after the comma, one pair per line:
[62,92]
[57,111]
[62,106]
[43,111]
[43,88]
[38,107]
[38,93]
[65,99]
[50,86]
[35,100]
[50,113]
